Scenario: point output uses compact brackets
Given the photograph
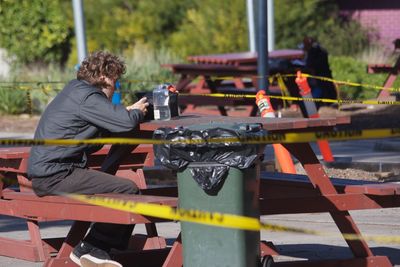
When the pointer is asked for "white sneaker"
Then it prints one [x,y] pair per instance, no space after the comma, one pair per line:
[98,258]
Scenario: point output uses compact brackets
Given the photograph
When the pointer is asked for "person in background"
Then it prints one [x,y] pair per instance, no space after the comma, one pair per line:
[83,110]
[316,62]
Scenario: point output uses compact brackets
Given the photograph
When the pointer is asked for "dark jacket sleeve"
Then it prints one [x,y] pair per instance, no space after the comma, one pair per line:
[97,109]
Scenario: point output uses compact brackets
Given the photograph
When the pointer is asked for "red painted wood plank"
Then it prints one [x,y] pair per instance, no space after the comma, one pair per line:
[383,189]
[245,57]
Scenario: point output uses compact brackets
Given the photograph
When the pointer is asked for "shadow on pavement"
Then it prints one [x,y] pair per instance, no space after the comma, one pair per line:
[322,252]
[8,224]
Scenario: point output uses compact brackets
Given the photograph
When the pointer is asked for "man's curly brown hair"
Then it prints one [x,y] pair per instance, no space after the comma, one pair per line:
[100,64]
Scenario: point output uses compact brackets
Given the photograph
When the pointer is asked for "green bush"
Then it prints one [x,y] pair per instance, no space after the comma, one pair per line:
[13,101]
[43,84]
[144,71]
[34,30]
[120,25]
[212,27]
[318,19]
[351,70]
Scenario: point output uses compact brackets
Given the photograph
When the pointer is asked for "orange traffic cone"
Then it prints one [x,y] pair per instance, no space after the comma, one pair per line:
[312,112]
[282,155]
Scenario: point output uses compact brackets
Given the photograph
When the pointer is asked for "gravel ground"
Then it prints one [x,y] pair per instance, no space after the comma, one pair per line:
[345,173]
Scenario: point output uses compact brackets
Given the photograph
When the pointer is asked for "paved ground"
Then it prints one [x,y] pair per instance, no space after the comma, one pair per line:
[291,246]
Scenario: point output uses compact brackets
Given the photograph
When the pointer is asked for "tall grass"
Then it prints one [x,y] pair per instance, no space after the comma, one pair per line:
[144,72]
[29,88]
[145,64]
[377,54]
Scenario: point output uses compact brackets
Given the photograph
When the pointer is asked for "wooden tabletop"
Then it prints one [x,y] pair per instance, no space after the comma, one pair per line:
[271,124]
[212,69]
[245,57]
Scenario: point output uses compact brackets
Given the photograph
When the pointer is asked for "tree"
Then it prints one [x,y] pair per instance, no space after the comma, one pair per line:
[212,27]
[321,20]
[155,21]
[119,25]
[34,30]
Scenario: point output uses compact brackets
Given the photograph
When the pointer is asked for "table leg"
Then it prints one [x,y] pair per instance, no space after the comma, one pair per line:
[320,180]
[175,256]
[213,88]
[389,81]
[183,82]
[183,87]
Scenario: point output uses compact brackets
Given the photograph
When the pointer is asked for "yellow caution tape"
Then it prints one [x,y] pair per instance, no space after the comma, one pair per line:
[270,138]
[294,98]
[45,87]
[353,84]
[212,218]
[285,92]
[377,87]
[78,142]
[271,77]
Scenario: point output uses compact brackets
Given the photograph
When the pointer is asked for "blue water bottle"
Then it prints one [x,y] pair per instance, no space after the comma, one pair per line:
[116,98]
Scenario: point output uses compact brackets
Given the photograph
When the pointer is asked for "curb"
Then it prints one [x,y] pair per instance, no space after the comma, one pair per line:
[7,135]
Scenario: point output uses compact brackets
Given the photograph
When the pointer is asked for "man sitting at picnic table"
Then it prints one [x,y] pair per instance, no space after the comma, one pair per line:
[83,110]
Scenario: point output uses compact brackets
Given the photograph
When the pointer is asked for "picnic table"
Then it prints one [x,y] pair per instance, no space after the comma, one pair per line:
[232,73]
[315,192]
[245,58]
[18,200]
[279,194]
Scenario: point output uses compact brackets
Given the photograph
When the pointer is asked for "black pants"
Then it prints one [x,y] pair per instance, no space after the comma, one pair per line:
[86,181]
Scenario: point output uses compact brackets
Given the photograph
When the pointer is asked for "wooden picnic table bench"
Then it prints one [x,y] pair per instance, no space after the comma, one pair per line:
[282,193]
[318,194]
[213,75]
[14,162]
[18,200]
[293,193]
[28,206]
[215,72]
[245,58]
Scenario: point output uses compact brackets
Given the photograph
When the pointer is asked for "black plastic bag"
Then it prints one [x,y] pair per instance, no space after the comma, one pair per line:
[217,156]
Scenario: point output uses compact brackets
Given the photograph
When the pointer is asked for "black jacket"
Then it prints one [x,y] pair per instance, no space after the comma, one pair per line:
[317,61]
[79,111]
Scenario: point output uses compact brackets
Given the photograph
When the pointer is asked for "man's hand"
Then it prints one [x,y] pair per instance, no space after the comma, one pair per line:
[142,105]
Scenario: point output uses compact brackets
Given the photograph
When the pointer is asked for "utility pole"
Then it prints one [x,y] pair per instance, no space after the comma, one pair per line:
[250,22]
[79,20]
[271,25]
[262,67]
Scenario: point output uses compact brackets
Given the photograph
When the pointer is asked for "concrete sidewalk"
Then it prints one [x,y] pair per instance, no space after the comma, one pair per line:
[290,245]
